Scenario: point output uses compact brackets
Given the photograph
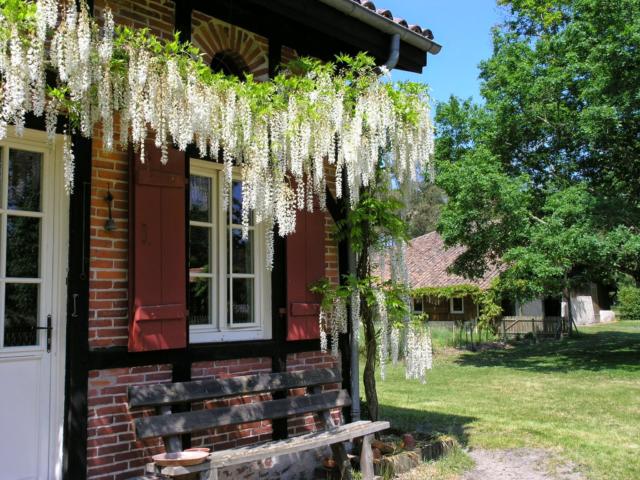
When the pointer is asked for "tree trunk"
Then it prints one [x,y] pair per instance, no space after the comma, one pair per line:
[369,377]
[567,295]
[366,313]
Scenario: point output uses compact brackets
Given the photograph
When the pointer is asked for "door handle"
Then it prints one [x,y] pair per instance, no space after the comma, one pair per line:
[49,329]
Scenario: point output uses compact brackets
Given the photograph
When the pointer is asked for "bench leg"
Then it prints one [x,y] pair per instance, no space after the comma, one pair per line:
[366,458]
[342,460]
[211,474]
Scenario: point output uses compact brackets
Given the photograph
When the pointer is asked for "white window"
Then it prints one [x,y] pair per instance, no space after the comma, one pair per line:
[229,286]
[456,305]
[418,306]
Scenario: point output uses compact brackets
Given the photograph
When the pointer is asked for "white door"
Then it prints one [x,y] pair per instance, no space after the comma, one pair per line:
[28,304]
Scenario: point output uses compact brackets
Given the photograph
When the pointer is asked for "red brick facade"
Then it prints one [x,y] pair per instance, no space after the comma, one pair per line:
[113,451]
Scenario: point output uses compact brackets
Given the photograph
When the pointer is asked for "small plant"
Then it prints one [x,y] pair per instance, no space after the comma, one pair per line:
[628,305]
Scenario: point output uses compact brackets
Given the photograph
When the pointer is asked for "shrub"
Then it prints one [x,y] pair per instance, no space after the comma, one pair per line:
[629,302]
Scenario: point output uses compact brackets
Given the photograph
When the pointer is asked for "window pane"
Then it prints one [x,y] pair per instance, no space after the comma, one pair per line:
[23,247]
[24,180]
[200,199]
[199,301]
[199,250]
[242,252]
[457,304]
[21,315]
[242,301]
[417,304]
[236,203]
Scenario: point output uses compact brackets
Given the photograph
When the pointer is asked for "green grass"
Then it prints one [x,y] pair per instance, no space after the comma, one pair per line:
[579,398]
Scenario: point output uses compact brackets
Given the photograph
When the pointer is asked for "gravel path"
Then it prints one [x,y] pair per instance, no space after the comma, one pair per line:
[518,464]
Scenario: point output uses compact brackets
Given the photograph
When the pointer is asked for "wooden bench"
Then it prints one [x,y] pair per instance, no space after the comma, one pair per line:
[171,425]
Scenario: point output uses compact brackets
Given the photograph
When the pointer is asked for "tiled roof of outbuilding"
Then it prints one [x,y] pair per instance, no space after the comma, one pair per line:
[428,261]
[400,21]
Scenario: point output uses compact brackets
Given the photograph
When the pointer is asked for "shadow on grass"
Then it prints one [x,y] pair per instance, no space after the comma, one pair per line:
[608,350]
[422,421]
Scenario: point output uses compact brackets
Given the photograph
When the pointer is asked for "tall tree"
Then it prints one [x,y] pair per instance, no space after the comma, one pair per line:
[423,209]
[544,175]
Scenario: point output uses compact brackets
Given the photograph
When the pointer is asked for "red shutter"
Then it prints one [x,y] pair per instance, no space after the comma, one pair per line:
[305,265]
[158,316]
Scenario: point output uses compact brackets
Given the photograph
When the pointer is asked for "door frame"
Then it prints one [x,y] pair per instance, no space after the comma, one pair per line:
[59,309]
[57,247]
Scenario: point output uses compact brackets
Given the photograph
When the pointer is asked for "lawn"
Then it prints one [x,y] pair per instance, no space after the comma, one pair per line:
[579,398]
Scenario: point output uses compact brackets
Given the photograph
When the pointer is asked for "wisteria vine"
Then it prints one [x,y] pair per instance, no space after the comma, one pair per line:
[282,134]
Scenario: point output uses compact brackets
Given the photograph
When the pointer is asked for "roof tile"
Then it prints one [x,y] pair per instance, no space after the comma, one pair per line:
[428,261]
[385,12]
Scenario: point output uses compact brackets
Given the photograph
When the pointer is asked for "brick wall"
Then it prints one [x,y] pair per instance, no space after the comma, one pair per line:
[156,15]
[234,435]
[307,361]
[113,452]
[108,284]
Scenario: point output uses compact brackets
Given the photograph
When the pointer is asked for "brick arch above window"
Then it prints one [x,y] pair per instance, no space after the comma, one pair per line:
[214,37]
[230,63]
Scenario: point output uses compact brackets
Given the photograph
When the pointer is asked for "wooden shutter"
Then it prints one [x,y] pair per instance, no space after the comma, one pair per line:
[158,316]
[305,265]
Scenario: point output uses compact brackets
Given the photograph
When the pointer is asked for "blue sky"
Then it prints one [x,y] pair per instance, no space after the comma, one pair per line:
[463,28]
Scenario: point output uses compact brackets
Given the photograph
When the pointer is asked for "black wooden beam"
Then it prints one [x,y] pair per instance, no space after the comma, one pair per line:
[182,19]
[279,319]
[275,55]
[280,428]
[76,375]
[119,357]
[74,438]
[181,366]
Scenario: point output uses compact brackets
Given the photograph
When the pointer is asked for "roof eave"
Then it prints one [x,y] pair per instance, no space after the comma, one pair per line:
[386,25]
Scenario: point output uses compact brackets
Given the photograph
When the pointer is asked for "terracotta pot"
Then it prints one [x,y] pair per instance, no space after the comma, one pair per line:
[408,441]
[329,462]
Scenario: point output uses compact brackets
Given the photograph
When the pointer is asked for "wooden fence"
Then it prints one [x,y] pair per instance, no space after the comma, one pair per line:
[538,326]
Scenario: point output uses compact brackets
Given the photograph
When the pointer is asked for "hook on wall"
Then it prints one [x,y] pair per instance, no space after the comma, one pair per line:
[110,224]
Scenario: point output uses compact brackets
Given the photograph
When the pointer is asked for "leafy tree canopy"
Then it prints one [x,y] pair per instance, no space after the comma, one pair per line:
[545,174]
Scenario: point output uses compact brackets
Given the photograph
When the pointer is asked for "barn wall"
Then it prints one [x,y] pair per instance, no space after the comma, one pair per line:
[439,310]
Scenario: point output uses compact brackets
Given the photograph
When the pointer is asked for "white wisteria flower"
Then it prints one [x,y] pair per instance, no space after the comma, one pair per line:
[289,139]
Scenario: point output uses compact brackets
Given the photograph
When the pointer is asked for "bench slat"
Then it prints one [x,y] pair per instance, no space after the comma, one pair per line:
[179,423]
[309,441]
[183,392]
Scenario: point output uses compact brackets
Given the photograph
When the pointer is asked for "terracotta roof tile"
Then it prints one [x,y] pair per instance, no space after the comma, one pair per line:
[385,12]
[428,261]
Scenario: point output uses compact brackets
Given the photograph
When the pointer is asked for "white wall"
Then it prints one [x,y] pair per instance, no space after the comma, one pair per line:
[581,309]
[607,316]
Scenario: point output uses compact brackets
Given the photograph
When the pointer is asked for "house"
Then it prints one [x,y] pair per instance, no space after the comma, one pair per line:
[428,263]
[140,276]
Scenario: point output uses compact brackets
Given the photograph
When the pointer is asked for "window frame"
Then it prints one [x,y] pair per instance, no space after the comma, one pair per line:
[452,305]
[31,142]
[220,330]
[413,305]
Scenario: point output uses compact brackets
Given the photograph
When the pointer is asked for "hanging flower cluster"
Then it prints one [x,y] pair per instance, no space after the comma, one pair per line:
[395,344]
[281,134]
[421,358]
[383,323]
[333,321]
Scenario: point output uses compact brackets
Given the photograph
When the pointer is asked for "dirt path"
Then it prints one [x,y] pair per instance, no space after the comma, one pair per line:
[518,464]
